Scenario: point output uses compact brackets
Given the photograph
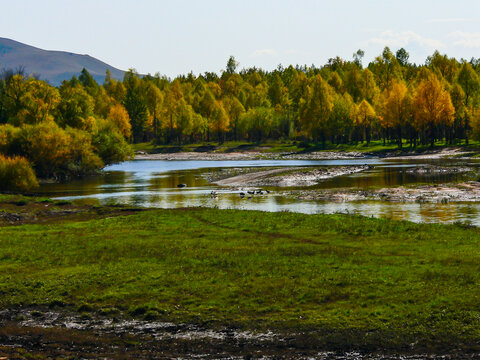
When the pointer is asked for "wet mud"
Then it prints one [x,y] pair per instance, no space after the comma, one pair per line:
[46,333]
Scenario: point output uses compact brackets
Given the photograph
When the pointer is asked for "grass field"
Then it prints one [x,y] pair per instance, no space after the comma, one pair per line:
[287,146]
[346,280]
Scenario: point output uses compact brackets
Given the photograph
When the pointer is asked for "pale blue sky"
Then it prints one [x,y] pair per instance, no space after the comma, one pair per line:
[176,37]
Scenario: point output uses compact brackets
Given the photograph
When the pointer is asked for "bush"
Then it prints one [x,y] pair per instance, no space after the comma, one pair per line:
[110,145]
[16,174]
[46,145]
[58,153]
[8,134]
[82,159]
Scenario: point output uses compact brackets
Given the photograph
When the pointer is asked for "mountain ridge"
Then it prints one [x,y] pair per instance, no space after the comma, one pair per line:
[53,66]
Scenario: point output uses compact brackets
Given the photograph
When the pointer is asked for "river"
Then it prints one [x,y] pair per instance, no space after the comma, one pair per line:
[153,183]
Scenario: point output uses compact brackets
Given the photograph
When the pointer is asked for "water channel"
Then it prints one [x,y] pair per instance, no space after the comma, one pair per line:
[153,183]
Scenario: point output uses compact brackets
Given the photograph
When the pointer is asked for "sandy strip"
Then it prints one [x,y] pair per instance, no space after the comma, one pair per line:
[430,154]
[253,155]
[290,177]
[318,155]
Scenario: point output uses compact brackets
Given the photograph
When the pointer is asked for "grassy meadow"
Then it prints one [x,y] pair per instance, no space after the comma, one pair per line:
[276,147]
[347,281]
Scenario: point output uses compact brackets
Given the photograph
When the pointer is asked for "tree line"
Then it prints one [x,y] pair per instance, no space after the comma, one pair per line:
[82,125]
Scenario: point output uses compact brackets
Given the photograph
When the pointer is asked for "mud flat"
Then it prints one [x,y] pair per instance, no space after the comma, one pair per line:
[17,210]
[49,333]
[464,192]
[292,177]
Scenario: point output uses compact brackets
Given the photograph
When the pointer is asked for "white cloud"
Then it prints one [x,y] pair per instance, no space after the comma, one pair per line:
[447,20]
[466,39]
[264,52]
[403,39]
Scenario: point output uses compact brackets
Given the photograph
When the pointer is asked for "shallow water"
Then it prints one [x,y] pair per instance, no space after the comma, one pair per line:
[153,183]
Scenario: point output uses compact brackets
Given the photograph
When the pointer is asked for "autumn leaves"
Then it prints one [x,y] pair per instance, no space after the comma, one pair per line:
[80,126]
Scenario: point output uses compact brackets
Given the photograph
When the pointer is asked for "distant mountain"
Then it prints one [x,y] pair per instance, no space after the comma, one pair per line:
[53,66]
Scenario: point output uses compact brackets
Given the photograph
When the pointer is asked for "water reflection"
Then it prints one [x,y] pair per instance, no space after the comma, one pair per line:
[154,184]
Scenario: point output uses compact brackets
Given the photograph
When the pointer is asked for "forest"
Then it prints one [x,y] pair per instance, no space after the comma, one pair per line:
[81,126]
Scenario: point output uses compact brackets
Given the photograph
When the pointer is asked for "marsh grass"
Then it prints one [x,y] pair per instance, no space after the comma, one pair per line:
[366,280]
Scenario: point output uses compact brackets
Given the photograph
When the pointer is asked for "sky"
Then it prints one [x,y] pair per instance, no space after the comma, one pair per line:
[173,37]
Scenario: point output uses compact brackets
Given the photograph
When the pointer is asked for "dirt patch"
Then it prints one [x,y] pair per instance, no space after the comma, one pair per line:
[39,333]
[41,212]
[291,177]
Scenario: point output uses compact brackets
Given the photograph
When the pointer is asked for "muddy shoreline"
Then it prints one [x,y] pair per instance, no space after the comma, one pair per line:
[53,333]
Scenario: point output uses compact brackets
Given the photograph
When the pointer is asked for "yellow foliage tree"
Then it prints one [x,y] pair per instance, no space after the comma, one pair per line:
[118,116]
[396,108]
[364,118]
[432,107]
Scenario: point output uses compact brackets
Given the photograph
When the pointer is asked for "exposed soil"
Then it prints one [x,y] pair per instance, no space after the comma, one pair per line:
[30,212]
[43,332]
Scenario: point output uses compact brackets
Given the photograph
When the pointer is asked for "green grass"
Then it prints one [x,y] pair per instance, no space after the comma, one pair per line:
[349,279]
[274,147]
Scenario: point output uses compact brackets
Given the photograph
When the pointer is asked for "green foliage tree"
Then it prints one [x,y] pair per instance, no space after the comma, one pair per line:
[110,144]
[75,107]
[136,105]
[232,65]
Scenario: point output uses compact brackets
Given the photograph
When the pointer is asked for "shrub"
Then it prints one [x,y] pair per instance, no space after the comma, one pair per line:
[8,134]
[81,158]
[58,153]
[16,174]
[46,145]
[110,145]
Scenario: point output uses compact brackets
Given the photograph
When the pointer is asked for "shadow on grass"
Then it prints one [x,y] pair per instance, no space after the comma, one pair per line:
[243,147]
[167,150]
[205,148]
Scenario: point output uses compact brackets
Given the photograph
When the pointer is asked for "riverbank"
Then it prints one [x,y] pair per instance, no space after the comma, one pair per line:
[237,283]
[437,153]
